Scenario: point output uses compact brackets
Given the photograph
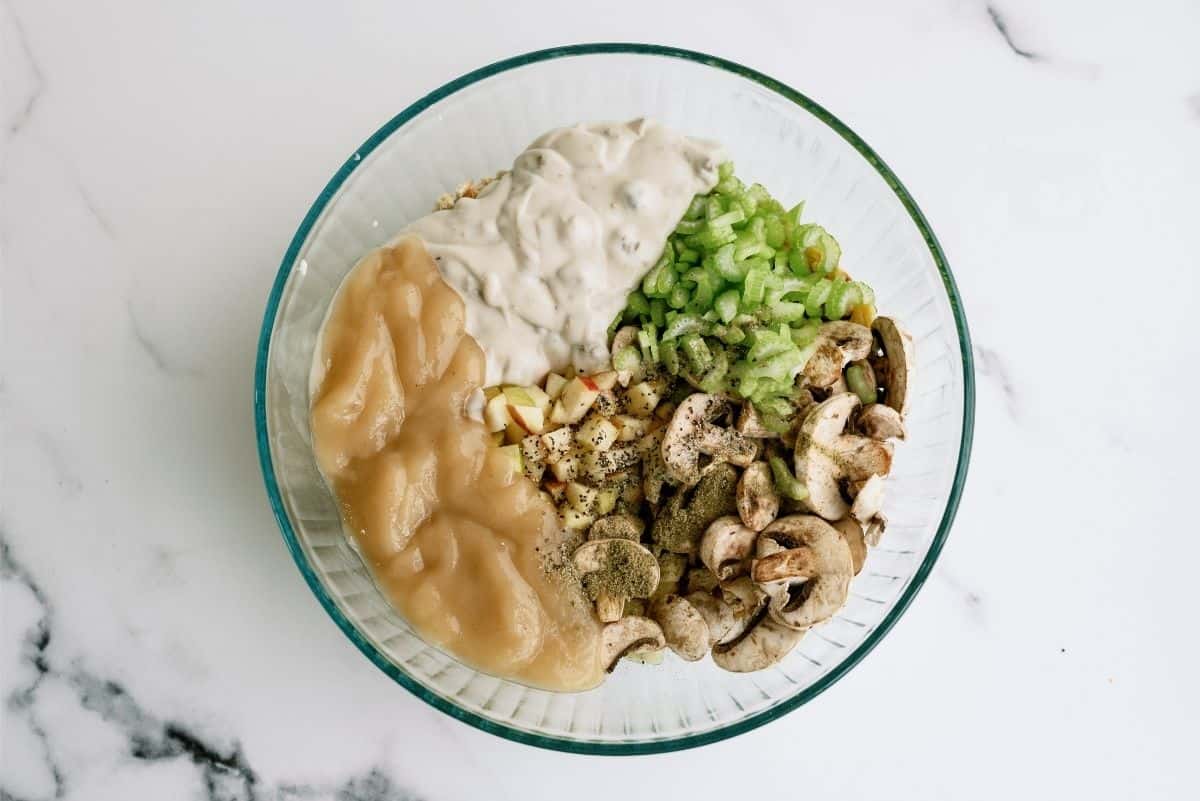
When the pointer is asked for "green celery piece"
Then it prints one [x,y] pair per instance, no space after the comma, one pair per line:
[658,308]
[637,303]
[697,353]
[785,482]
[627,358]
[754,288]
[669,355]
[727,305]
[682,325]
[817,297]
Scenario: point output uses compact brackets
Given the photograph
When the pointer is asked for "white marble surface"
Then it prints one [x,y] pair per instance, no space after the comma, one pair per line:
[158,641]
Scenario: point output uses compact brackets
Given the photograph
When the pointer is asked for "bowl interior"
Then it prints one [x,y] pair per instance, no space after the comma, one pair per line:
[474,127]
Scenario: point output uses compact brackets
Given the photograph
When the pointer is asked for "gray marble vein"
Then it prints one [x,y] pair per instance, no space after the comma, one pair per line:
[65,476]
[1001,25]
[152,350]
[972,601]
[37,83]
[225,771]
[991,366]
[93,208]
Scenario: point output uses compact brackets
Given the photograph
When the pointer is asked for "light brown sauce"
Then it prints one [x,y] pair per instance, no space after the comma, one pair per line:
[456,541]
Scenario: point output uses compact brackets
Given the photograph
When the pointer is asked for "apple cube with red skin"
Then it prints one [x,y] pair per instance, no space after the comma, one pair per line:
[577,397]
[530,418]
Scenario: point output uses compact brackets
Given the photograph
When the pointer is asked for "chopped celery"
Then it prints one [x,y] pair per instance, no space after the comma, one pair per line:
[785,482]
[627,358]
[726,305]
[739,293]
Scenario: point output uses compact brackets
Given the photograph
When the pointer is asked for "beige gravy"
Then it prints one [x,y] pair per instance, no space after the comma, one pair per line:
[458,543]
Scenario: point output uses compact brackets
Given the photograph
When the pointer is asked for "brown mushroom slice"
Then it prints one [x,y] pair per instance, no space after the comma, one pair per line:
[825,455]
[627,637]
[750,423]
[672,567]
[880,421]
[873,530]
[747,601]
[757,498]
[617,527]
[855,538]
[899,358]
[683,626]
[726,547]
[692,432]
[718,615]
[614,570]
[838,343]
[702,579]
[763,645]
[820,573]
[681,523]
[869,500]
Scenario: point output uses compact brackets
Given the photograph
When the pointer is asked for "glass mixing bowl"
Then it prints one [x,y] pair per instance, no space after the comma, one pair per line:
[474,126]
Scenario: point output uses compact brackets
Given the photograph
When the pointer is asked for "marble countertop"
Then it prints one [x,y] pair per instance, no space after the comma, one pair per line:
[157,640]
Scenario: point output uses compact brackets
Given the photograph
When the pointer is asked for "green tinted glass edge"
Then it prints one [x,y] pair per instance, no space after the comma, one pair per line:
[584,746]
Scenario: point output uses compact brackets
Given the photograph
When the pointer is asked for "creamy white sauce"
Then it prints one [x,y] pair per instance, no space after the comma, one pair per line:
[546,255]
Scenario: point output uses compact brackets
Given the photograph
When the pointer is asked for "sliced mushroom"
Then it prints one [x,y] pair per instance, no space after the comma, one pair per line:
[750,423]
[898,359]
[726,547]
[757,498]
[624,338]
[627,637]
[614,570]
[825,455]
[880,421]
[683,626]
[838,343]
[761,646]
[855,538]
[873,530]
[672,567]
[702,579]
[747,601]
[804,566]
[717,614]
[692,432]
[654,469]
[617,527]
[869,500]
[682,522]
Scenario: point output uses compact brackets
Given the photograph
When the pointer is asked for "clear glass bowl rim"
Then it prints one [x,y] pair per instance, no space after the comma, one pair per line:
[561,743]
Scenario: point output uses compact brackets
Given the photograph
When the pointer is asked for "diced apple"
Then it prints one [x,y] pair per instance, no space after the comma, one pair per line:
[495,414]
[596,434]
[599,465]
[606,501]
[574,520]
[490,392]
[582,497]
[577,397]
[533,451]
[642,397]
[513,433]
[518,396]
[557,443]
[664,411]
[557,491]
[497,438]
[606,403]
[554,385]
[630,428]
[529,418]
[566,468]
[512,453]
[605,380]
[540,398]
[558,414]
